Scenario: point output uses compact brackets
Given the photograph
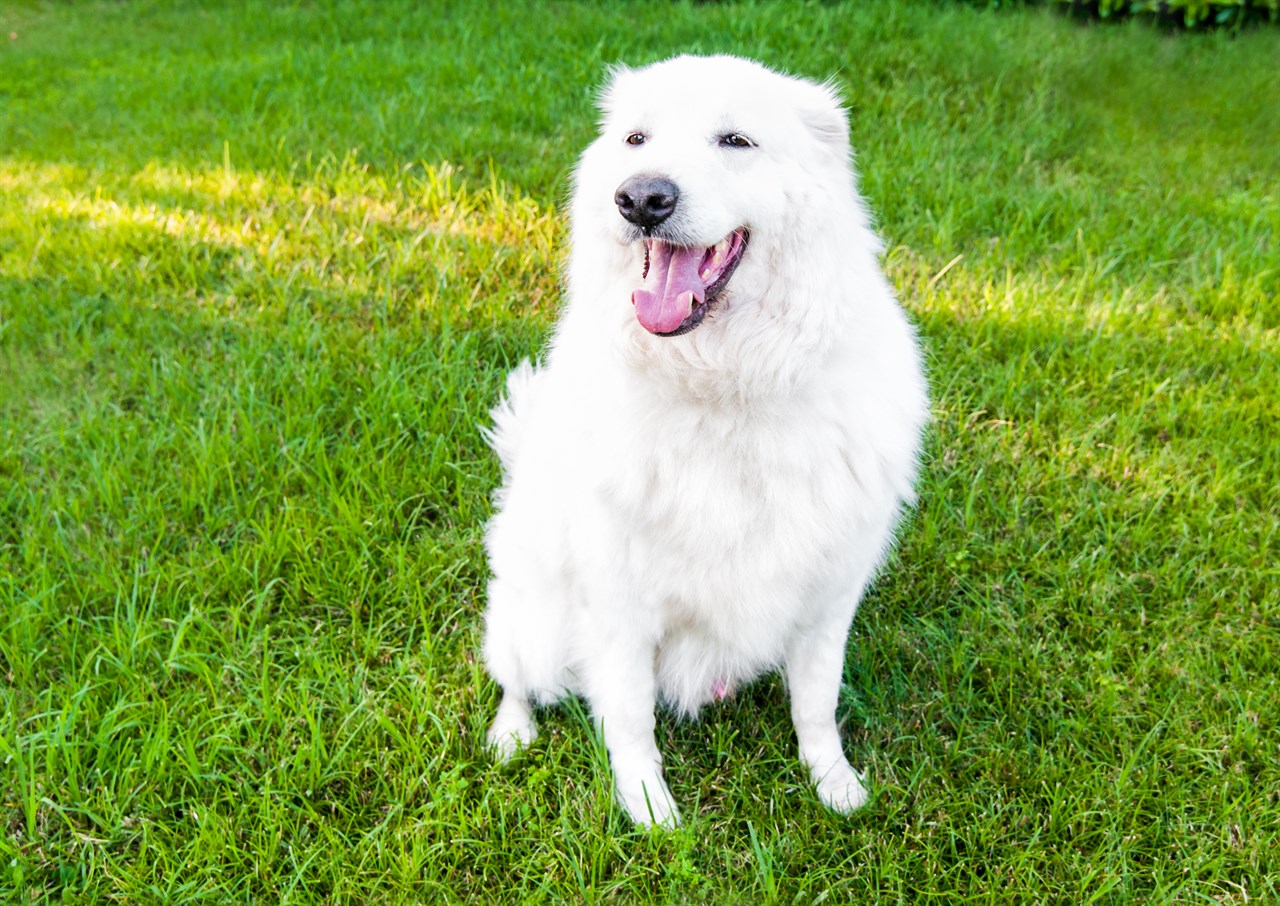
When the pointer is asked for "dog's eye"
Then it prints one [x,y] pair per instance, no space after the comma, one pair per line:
[635,138]
[736,140]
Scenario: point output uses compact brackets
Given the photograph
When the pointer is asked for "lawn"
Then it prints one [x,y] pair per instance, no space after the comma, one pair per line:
[262,270]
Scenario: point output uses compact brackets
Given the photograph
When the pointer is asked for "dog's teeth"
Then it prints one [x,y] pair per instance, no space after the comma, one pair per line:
[718,252]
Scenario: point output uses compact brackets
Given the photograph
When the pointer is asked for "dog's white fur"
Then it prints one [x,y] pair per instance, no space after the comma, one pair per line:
[682,514]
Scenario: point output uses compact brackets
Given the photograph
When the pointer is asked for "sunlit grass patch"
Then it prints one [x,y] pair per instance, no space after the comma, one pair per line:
[249,241]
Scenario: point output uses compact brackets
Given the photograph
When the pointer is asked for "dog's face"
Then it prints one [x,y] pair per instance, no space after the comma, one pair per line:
[700,165]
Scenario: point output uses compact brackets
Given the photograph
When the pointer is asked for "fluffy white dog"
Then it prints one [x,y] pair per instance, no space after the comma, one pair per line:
[707,471]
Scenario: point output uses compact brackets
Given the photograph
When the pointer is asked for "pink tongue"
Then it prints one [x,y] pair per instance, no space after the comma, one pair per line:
[667,295]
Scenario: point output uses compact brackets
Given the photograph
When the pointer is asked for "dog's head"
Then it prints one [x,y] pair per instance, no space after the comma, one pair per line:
[706,170]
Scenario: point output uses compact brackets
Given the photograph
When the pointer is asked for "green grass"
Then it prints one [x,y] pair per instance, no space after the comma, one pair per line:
[261,273]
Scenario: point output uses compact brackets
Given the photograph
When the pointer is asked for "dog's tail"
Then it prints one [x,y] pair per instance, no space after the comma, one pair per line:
[507,429]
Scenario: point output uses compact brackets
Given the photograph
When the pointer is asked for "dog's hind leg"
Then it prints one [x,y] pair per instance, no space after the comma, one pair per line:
[513,727]
[524,655]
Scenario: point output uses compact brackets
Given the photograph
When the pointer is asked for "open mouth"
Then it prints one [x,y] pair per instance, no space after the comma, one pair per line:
[681,283]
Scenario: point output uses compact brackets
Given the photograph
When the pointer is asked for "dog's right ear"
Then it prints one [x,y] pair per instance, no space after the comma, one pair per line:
[607,100]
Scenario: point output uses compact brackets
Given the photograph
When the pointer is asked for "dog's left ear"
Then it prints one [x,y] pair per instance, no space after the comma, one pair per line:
[823,112]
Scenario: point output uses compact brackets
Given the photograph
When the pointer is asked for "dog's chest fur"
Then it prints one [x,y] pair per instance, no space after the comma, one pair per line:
[742,509]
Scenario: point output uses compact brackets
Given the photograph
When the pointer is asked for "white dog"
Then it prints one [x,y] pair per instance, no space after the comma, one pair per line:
[707,471]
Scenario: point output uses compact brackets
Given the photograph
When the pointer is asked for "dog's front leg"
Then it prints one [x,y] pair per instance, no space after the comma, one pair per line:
[619,684]
[815,662]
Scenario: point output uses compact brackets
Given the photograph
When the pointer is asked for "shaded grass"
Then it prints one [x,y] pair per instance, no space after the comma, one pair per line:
[261,274]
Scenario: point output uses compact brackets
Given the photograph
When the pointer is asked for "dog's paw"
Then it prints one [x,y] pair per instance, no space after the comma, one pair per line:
[649,803]
[841,789]
[512,730]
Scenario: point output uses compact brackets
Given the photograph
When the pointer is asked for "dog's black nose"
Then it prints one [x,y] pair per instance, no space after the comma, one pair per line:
[646,201]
